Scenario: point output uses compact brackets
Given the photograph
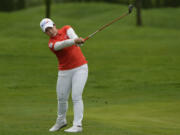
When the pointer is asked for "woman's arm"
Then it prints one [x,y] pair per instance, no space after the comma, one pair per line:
[69,42]
[62,44]
[71,33]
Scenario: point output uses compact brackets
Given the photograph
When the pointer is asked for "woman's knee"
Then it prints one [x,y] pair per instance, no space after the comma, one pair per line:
[76,98]
[62,99]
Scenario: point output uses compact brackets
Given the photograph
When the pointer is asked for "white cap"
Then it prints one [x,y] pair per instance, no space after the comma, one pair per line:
[45,23]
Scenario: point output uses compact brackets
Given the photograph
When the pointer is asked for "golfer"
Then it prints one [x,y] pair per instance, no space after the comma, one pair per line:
[72,74]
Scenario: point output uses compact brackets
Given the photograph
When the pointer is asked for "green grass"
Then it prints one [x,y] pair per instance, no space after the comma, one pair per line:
[134,73]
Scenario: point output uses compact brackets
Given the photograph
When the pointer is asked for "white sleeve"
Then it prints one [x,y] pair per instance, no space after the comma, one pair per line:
[71,34]
[66,43]
[62,44]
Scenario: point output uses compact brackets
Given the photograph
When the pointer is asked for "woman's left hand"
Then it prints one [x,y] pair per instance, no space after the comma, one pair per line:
[79,40]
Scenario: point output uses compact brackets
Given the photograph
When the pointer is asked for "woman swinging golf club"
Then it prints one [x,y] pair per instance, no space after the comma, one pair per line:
[72,74]
[73,69]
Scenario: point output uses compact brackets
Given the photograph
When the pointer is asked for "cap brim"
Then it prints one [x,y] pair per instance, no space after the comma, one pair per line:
[47,25]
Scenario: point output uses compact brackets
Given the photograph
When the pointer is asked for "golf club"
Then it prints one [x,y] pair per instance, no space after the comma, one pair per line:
[130,8]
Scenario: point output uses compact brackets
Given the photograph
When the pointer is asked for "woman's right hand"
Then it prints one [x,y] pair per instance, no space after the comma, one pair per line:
[79,40]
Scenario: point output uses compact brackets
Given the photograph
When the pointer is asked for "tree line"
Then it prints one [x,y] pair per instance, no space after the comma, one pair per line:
[145,3]
[11,5]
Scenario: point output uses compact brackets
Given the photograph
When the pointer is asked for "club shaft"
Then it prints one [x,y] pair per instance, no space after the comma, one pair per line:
[105,26]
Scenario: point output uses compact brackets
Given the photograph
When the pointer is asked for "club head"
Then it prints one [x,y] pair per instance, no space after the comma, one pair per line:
[130,8]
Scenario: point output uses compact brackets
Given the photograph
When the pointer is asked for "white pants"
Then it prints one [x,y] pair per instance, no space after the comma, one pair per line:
[74,79]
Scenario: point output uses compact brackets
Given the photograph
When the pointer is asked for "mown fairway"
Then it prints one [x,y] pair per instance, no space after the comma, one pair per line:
[134,73]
